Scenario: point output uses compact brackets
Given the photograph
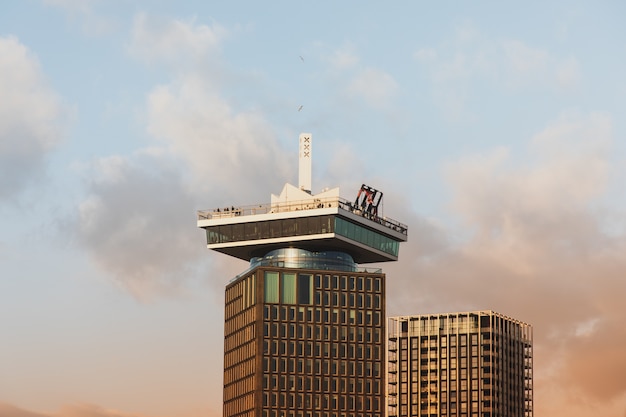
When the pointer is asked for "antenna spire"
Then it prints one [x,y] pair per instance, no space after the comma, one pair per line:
[304,169]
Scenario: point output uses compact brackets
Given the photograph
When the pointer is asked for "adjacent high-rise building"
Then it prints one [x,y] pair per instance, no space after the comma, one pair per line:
[474,364]
[304,332]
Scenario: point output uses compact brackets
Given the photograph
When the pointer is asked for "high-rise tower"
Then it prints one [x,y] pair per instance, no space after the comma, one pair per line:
[473,364]
[304,332]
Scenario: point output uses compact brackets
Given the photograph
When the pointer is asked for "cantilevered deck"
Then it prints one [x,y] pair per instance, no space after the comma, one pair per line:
[330,223]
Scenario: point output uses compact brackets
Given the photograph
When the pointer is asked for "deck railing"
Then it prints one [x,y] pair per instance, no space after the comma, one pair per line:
[311,204]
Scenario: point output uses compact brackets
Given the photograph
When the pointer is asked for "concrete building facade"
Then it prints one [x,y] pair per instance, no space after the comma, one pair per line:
[472,364]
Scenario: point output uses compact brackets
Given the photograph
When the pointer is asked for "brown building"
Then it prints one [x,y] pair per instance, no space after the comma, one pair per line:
[304,331]
[474,364]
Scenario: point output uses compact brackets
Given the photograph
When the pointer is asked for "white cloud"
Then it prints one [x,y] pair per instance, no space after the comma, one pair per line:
[138,220]
[456,64]
[344,58]
[173,41]
[374,86]
[359,84]
[426,54]
[233,154]
[536,251]
[586,328]
[523,59]
[32,118]
[80,6]
[138,224]
[570,170]
[525,65]
[84,11]
[568,72]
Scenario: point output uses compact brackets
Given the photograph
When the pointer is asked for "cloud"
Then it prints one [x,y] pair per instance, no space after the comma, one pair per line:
[74,410]
[93,22]
[138,223]
[31,119]
[8,410]
[568,72]
[233,156]
[374,86]
[525,65]
[358,84]
[89,410]
[81,6]
[532,245]
[344,58]
[522,58]
[469,58]
[173,41]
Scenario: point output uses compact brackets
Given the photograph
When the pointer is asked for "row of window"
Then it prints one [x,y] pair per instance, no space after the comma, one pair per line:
[301,226]
[424,366]
[270,229]
[346,283]
[325,333]
[322,367]
[435,374]
[322,350]
[436,342]
[235,317]
[288,287]
[239,371]
[366,236]
[428,333]
[427,409]
[322,316]
[318,384]
[431,386]
[323,402]
[434,356]
[240,353]
[302,413]
[244,288]
[239,405]
[239,337]
[292,314]
[241,387]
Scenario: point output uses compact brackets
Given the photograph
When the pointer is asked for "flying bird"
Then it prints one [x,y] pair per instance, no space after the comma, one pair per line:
[300,108]
[301,58]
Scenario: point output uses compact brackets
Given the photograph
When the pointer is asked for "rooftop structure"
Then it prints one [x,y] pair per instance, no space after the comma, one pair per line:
[297,218]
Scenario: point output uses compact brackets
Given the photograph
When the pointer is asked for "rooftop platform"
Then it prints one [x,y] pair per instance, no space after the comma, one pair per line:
[316,224]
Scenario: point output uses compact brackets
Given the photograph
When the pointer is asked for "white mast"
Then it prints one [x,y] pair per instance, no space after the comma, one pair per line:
[304,173]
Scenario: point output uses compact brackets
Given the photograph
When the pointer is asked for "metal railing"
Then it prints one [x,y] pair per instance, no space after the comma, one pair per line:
[312,204]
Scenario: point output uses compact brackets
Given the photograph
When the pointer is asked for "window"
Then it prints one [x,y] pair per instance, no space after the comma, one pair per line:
[305,289]
[271,287]
[288,288]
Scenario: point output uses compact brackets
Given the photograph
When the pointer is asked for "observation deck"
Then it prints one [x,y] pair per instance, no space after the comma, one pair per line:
[314,223]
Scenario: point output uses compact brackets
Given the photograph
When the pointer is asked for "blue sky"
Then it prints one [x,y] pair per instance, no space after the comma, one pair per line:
[495,131]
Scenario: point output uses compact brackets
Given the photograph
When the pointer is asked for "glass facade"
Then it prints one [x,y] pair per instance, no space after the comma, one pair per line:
[300,258]
[366,236]
[239,232]
[240,346]
[300,227]
[316,340]
[476,364]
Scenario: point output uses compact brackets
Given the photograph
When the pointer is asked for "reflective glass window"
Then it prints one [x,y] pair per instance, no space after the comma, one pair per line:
[271,287]
[289,288]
